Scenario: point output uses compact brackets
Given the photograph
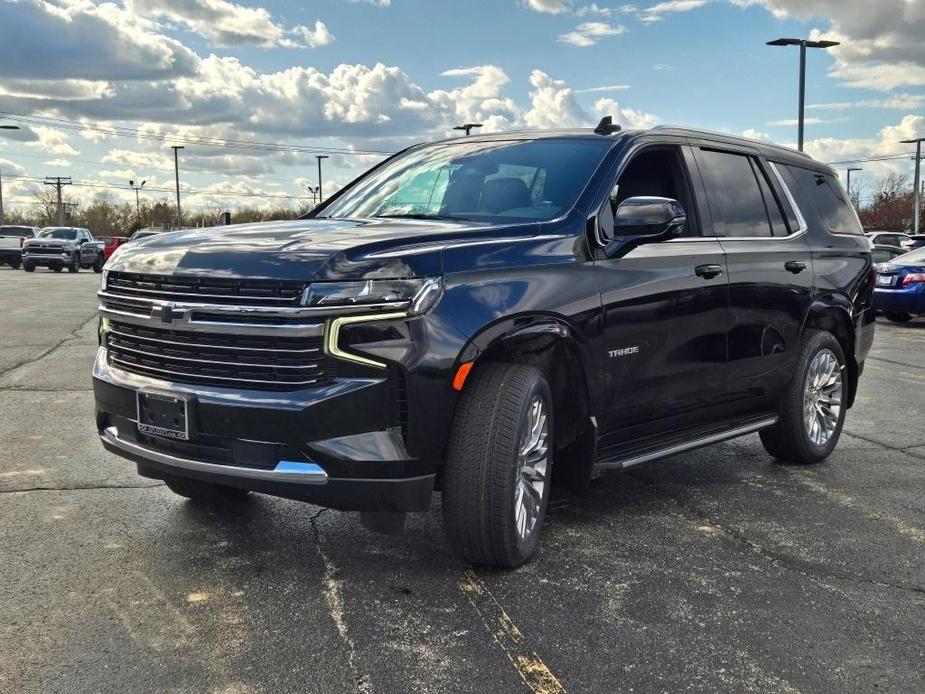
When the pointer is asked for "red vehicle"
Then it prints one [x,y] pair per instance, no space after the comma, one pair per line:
[111,243]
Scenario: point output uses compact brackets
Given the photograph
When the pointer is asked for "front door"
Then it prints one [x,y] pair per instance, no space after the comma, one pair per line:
[665,311]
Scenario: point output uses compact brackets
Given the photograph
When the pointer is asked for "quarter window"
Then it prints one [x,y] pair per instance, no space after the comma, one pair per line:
[735,195]
[828,199]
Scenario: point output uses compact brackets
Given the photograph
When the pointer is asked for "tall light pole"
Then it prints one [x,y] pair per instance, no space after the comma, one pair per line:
[917,196]
[803,44]
[467,127]
[176,171]
[848,182]
[137,203]
[319,157]
[314,190]
[4,127]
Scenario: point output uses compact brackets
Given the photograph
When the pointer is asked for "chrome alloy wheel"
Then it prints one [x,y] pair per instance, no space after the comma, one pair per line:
[532,469]
[822,394]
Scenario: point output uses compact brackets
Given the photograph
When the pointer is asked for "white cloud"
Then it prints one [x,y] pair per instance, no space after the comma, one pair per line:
[789,122]
[589,33]
[753,134]
[52,141]
[377,3]
[626,117]
[655,13]
[610,88]
[548,6]
[887,143]
[904,102]
[228,24]
[62,163]
[595,10]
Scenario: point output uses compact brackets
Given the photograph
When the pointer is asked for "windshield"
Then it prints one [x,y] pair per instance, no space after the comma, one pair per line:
[500,180]
[58,233]
[914,258]
[15,231]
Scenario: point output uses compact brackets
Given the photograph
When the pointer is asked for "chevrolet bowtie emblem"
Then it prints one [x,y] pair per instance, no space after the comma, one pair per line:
[166,313]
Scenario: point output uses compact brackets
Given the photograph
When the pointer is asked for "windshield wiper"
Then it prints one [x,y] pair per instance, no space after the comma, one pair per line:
[418,215]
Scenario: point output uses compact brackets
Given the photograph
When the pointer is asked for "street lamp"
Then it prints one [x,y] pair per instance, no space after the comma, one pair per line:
[319,157]
[467,127]
[4,127]
[136,189]
[803,44]
[176,171]
[848,182]
[917,195]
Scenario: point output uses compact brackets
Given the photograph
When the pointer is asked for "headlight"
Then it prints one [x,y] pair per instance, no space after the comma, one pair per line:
[419,294]
[103,279]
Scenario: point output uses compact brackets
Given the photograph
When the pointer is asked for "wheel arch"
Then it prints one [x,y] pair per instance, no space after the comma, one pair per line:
[551,344]
[835,317]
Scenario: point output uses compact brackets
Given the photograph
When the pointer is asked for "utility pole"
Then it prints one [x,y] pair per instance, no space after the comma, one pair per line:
[467,127]
[4,127]
[319,157]
[848,183]
[803,44]
[917,191]
[137,203]
[59,182]
[176,171]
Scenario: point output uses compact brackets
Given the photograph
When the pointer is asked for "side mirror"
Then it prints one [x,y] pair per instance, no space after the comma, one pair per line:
[645,219]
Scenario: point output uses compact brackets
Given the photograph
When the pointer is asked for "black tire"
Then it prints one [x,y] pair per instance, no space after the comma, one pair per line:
[789,439]
[482,471]
[98,264]
[27,266]
[75,263]
[898,317]
[15,264]
[57,267]
[197,490]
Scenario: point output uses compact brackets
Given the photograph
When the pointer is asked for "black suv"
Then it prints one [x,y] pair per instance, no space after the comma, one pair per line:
[488,315]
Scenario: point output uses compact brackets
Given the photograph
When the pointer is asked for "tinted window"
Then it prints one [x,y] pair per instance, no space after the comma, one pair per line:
[58,233]
[487,180]
[778,225]
[16,231]
[734,194]
[828,199]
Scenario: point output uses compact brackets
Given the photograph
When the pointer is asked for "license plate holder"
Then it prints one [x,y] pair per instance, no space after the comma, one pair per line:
[885,280]
[163,414]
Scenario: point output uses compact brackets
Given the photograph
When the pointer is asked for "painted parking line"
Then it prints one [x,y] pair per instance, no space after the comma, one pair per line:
[531,668]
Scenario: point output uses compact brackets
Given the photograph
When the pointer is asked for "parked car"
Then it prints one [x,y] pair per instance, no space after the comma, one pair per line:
[486,315]
[883,253]
[62,247]
[110,244]
[900,290]
[915,241]
[12,237]
[888,238]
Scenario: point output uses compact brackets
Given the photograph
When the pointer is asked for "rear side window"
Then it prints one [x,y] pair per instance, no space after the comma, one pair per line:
[16,231]
[735,195]
[828,199]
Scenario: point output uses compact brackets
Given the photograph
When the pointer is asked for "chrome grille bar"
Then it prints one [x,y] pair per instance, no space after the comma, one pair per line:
[156,372]
[169,357]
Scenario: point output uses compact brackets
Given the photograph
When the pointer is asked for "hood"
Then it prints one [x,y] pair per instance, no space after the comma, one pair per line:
[49,243]
[305,249]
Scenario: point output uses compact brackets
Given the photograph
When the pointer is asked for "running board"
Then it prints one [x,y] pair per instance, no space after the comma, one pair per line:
[630,458]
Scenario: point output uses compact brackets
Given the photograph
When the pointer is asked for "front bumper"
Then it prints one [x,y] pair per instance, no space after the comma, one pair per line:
[336,440]
[46,258]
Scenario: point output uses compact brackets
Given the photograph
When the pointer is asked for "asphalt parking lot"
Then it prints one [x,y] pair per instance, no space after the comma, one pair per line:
[712,571]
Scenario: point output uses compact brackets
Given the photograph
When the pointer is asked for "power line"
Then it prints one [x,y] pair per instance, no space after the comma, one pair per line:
[885,157]
[202,141]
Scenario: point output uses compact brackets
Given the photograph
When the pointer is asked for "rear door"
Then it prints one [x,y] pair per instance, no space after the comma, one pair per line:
[664,309]
[769,264]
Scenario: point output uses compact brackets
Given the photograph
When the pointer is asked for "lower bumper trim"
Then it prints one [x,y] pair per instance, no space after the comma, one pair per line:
[285,471]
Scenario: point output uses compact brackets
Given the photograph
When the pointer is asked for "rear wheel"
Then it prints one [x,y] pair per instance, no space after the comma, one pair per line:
[57,267]
[27,266]
[198,490]
[898,317]
[812,408]
[499,460]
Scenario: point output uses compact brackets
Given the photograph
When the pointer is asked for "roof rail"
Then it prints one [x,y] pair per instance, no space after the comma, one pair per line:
[730,136]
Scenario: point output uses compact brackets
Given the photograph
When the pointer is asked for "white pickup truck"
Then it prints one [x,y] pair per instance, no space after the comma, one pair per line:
[12,238]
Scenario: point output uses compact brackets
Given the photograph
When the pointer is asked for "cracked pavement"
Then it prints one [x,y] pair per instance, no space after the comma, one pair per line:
[714,571]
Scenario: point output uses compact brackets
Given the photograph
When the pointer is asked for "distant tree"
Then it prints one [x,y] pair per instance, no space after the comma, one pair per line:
[891,205]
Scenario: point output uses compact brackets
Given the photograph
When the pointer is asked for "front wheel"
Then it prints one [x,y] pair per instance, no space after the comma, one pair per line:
[498,465]
[898,317]
[57,267]
[812,408]
[28,266]
[15,264]
[98,265]
[75,264]
[198,490]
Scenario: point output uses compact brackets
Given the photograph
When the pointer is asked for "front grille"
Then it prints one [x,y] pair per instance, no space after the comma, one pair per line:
[240,361]
[209,290]
[44,250]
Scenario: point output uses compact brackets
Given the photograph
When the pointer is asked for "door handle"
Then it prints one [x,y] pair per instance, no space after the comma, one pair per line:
[708,272]
[795,266]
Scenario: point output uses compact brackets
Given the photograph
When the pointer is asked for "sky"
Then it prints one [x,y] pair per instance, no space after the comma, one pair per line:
[254,90]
